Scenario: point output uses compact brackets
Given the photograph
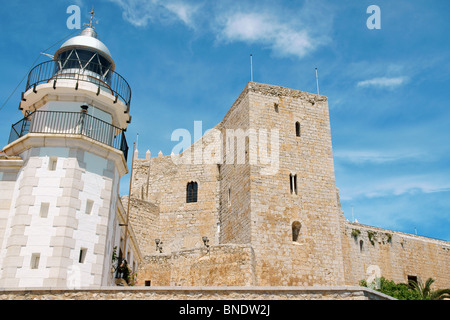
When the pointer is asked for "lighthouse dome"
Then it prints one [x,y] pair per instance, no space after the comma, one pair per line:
[86,41]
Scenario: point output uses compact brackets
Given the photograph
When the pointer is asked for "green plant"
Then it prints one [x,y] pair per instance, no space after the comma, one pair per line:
[114,255]
[389,237]
[355,233]
[412,291]
[130,277]
[371,236]
[424,291]
[400,291]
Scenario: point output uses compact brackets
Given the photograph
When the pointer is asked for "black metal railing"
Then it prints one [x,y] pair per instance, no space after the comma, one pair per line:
[73,69]
[63,122]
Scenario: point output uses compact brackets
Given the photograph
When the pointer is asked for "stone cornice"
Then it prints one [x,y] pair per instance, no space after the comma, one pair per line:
[58,140]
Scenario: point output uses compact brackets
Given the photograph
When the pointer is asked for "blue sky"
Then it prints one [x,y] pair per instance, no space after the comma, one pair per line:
[388,88]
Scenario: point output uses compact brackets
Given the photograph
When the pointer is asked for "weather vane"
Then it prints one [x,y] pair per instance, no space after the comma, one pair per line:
[91,20]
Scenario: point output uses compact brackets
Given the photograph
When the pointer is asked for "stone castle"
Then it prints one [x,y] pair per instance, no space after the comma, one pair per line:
[254,203]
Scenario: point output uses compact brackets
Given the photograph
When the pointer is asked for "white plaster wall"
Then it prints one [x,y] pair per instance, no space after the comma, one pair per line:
[41,230]
[6,195]
[86,234]
[75,107]
[7,231]
[113,224]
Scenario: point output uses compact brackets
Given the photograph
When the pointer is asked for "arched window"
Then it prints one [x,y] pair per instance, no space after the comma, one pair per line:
[297,129]
[361,246]
[296,226]
[191,192]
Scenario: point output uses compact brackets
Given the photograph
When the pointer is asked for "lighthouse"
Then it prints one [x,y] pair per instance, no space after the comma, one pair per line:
[60,172]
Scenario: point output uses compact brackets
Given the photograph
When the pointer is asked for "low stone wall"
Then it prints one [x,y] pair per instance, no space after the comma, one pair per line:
[196,293]
[222,265]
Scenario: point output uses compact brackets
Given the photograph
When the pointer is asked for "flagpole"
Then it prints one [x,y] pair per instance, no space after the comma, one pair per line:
[317,82]
[251,67]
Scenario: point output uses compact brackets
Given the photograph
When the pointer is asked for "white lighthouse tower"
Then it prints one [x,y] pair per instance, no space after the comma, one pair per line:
[60,172]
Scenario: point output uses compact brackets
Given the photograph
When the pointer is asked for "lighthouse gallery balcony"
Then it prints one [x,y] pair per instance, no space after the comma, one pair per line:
[78,123]
[98,73]
[61,122]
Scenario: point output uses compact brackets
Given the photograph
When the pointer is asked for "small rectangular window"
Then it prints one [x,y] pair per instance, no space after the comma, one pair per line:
[35,257]
[148,283]
[82,256]
[229,196]
[89,206]
[52,163]
[291,187]
[295,184]
[43,213]
[297,129]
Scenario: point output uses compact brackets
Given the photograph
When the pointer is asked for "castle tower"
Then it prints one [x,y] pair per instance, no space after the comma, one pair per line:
[69,151]
[281,198]
[267,201]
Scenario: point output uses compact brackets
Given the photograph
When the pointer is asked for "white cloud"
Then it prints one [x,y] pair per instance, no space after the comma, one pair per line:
[376,173]
[285,33]
[377,157]
[409,185]
[383,82]
[183,11]
[394,186]
[282,37]
[140,12]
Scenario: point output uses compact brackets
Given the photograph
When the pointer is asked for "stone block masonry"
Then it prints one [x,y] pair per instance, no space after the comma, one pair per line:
[56,226]
[221,265]
[370,251]
[268,205]
[196,293]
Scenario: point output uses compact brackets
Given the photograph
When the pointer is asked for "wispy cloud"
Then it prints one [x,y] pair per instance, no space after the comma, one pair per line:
[285,33]
[377,157]
[141,12]
[183,11]
[383,82]
[410,185]
[395,186]
[382,173]
[262,28]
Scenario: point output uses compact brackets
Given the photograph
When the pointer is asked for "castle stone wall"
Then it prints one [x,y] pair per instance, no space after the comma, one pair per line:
[316,256]
[251,212]
[178,224]
[370,251]
[222,265]
[235,214]
[144,217]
